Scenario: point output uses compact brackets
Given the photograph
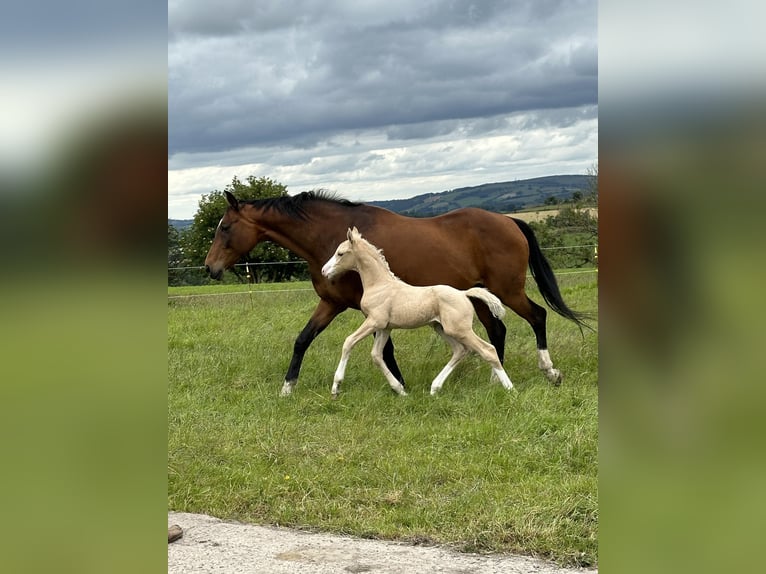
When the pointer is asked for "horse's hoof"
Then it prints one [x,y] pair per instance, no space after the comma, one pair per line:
[334,396]
[556,378]
[287,389]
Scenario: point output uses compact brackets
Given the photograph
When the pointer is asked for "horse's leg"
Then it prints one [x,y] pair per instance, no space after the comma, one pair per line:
[388,357]
[494,326]
[381,339]
[536,316]
[459,352]
[485,351]
[324,313]
[367,328]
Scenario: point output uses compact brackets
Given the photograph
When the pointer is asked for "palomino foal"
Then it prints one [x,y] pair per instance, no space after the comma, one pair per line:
[390,303]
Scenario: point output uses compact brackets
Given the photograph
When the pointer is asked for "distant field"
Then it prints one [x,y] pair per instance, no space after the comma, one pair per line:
[476,467]
[535,215]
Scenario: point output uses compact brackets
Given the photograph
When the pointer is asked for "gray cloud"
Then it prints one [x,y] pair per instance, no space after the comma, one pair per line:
[294,73]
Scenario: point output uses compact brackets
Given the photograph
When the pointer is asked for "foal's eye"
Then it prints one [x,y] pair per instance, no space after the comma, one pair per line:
[225,227]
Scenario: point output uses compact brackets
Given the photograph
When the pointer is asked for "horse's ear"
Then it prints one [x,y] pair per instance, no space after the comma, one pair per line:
[232,200]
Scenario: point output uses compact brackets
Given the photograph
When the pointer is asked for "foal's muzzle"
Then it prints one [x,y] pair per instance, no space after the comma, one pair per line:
[328,270]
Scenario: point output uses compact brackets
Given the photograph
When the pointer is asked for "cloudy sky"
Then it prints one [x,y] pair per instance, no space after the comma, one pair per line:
[378,99]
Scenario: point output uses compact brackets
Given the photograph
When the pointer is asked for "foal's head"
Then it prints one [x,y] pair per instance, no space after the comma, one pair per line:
[347,256]
[344,258]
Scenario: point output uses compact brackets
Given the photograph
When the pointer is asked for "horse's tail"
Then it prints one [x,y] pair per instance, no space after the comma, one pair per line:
[546,280]
[494,304]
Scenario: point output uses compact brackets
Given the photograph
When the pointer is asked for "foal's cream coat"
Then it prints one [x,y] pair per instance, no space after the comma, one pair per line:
[390,303]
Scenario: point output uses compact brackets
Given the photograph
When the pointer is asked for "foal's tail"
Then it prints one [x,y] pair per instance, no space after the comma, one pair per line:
[546,280]
[494,304]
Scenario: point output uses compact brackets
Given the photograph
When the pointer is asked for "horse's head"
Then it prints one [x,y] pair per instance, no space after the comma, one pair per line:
[235,236]
[343,259]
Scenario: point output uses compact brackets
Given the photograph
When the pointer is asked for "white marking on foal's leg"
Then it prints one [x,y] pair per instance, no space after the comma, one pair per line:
[381,337]
[502,377]
[459,352]
[287,388]
[441,377]
[364,330]
[489,354]
[546,365]
[339,374]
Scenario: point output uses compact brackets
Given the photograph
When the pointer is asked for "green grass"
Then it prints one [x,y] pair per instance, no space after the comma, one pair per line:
[475,467]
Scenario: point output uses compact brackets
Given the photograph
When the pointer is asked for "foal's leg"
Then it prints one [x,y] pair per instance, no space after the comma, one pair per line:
[381,338]
[536,315]
[486,352]
[324,313]
[459,352]
[367,328]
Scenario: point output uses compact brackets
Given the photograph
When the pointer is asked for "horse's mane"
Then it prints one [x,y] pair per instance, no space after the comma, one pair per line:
[295,205]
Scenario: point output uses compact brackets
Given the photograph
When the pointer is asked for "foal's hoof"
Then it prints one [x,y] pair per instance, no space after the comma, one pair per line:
[334,396]
[555,377]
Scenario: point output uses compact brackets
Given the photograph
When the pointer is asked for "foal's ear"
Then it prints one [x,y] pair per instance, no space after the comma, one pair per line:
[232,200]
[350,234]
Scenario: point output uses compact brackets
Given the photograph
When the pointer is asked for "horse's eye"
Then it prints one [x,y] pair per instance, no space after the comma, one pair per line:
[225,227]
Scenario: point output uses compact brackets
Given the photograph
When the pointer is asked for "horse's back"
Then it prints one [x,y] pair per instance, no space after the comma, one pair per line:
[458,248]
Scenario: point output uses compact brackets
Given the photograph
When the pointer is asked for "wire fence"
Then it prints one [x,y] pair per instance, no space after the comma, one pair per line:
[560,257]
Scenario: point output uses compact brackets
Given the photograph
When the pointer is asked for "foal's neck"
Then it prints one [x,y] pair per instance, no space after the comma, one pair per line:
[371,269]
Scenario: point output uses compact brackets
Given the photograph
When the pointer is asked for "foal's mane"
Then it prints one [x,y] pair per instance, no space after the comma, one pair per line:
[378,253]
[295,206]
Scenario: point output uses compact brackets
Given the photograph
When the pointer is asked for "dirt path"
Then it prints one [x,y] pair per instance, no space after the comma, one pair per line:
[212,545]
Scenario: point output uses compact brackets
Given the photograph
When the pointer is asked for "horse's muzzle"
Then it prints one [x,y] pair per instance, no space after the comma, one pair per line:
[214,274]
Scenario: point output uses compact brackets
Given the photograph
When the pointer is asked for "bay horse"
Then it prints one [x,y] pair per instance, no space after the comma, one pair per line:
[390,303]
[464,248]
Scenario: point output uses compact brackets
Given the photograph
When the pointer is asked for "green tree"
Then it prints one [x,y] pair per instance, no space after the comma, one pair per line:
[591,196]
[173,245]
[175,254]
[198,238]
[568,237]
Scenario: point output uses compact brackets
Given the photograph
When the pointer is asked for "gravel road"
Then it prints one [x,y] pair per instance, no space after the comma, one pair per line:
[212,545]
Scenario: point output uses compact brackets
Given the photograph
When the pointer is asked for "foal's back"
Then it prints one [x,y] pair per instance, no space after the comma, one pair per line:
[404,306]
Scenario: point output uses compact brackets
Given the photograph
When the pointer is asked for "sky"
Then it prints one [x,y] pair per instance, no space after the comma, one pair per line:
[378,99]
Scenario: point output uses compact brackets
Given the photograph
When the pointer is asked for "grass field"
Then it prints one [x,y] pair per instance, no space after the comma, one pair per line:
[476,467]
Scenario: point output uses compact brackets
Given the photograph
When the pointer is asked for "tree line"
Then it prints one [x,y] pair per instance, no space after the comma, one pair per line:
[188,247]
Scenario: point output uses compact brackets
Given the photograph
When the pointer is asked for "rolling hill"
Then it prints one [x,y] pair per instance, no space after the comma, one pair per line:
[501,197]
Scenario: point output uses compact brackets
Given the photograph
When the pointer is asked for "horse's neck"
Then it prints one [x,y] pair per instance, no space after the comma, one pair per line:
[304,237]
[371,269]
